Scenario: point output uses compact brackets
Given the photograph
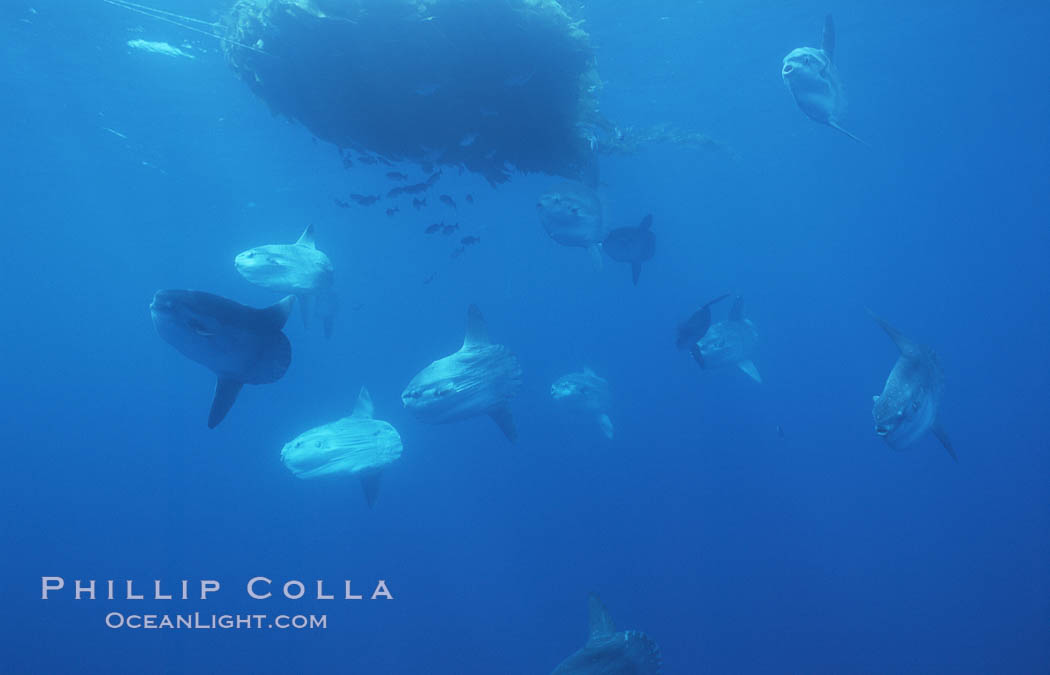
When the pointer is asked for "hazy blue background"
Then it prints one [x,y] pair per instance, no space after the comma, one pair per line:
[737,551]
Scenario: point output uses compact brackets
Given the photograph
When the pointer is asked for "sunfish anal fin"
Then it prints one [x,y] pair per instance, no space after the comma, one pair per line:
[646,223]
[307,237]
[736,312]
[504,420]
[697,355]
[942,436]
[306,308]
[748,367]
[477,333]
[277,314]
[600,623]
[835,125]
[226,391]
[636,271]
[370,484]
[606,425]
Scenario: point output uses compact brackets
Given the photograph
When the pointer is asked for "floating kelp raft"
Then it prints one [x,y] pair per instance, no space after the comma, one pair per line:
[490,85]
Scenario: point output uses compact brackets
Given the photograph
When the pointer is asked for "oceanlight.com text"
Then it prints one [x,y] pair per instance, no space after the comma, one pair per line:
[199,621]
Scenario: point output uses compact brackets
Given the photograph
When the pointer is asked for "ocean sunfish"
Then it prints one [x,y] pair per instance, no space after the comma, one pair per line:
[587,393]
[813,80]
[241,345]
[572,216]
[907,407]
[299,269]
[730,343]
[358,445]
[695,327]
[479,379]
[632,245]
[609,652]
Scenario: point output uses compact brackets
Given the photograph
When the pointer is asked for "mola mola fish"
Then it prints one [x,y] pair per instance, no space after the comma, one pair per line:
[907,407]
[241,345]
[730,343]
[609,652]
[299,269]
[632,245]
[358,445]
[813,80]
[572,216]
[479,379]
[588,393]
[695,327]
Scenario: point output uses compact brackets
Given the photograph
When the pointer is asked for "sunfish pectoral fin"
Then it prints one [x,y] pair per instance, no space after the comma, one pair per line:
[697,355]
[596,256]
[636,271]
[504,420]
[370,485]
[942,436]
[827,43]
[307,237]
[477,332]
[748,367]
[226,391]
[599,621]
[606,425]
[835,125]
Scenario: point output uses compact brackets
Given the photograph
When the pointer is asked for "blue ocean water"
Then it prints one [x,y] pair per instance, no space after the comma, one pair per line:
[736,549]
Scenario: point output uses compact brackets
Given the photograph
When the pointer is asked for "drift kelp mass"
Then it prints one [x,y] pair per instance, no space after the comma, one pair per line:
[485,84]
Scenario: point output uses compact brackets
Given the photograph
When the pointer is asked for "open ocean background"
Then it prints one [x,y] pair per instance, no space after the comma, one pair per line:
[736,550]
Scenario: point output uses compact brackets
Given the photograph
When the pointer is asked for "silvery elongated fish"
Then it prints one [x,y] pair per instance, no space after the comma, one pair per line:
[907,407]
[588,393]
[609,652]
[572,216]
[730,343]
[241,345]
[299,269]
[632,245]
[479,379]
[813,80]
[358,445]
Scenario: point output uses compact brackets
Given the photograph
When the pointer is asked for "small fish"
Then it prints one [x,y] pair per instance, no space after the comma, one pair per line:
[348,162]
[419,203]
[415,189]
[470,199]
[365,200]
[449,229]
[394,192]
[470,240]
[468,140]
[780,432]
[445,199]
[390,212]
[433,178]
[340,203]
[431,229]
[396,175]
[430,277]
[458,252]
[367,159]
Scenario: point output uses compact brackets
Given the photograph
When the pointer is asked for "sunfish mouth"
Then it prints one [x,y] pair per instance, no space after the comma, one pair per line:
[881,430]
[788,68]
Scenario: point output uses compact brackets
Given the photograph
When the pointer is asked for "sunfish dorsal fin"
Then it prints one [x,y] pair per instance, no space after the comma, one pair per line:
[606,425]
[505,421]
[600,623]
[647,222]
[736,312]
[477,333]
[835,125]
[370,484]
[906,346]
[588,371]
[276,315]
[226,391]
[942,436]
[363,407]
[596,256]
[828,41]
[307,237]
